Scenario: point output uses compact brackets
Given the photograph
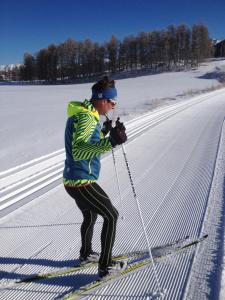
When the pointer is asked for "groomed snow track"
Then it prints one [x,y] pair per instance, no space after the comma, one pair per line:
[172,152]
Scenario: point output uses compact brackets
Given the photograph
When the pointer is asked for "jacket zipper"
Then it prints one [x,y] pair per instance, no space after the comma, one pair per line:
[90,166]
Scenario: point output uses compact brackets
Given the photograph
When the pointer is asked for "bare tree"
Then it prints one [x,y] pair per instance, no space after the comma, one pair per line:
[29,67]
[183,44]
[173,48]
[143,51]
[201,44]
[68,59]
[113,53]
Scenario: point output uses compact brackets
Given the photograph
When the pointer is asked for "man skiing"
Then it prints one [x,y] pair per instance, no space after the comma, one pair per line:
[84,143]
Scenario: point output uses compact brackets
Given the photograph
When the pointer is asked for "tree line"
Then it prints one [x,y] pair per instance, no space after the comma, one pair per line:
[175,48]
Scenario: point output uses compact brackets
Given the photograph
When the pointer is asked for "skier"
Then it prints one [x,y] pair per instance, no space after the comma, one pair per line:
[84,143]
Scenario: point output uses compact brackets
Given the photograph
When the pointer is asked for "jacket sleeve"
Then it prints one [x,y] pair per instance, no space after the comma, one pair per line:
[81,148]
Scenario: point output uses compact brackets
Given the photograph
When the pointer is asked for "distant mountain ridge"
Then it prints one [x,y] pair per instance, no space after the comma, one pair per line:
[9,66]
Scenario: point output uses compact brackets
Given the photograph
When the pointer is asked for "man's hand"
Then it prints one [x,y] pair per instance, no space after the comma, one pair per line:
[120,125]
[106,127]
[118,134]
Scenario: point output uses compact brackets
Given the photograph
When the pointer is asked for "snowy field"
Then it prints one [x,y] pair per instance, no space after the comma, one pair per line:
[32,118]
[177,158]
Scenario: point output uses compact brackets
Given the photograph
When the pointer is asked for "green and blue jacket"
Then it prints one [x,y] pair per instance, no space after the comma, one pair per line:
[84,143]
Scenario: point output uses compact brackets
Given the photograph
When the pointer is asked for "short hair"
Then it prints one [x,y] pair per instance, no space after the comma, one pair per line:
[105,82]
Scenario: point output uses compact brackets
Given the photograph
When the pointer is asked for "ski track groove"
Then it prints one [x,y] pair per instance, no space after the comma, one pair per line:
[173,276]
[174,183]
[155,119]
[202,285]
[201,206]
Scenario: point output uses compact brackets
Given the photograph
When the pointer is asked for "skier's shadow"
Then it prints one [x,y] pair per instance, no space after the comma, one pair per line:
[75,281]
[71,280]
[19,262]
[42,262]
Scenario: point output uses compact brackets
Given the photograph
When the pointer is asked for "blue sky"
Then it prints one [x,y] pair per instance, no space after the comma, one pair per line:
[27,26]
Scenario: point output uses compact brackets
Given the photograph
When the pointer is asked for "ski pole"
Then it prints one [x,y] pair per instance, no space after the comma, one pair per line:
[117,179]
[142,221]
[118,184]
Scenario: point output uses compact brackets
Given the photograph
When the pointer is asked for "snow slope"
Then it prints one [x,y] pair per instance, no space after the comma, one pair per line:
[205,280]
[32,118]
[173,164]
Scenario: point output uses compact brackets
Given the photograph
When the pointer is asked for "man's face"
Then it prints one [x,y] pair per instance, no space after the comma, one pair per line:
[105,106]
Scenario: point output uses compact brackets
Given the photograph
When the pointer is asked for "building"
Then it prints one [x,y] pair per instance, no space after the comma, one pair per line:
[219,49]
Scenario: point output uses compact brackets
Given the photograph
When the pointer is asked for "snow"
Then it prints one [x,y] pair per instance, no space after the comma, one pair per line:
[177,163]
[9,67]
[205,277]
[32,118]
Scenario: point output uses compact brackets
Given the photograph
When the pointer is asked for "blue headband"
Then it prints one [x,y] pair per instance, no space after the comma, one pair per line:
[107,93]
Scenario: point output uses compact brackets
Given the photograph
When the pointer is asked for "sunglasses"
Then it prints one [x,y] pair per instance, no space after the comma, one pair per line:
[111,101]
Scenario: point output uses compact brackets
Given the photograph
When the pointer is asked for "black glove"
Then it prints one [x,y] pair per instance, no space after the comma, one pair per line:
[120,125]
[118,134]
[106,127]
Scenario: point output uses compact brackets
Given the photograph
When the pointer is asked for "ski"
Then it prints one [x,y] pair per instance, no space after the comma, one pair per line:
[82,291]
[65,271]
[162,249]
[166,248]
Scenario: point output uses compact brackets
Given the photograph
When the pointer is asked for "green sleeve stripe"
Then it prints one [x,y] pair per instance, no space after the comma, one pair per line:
[85,128]
[83,150]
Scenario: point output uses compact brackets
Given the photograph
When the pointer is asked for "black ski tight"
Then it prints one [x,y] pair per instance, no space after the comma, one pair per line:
[92,200]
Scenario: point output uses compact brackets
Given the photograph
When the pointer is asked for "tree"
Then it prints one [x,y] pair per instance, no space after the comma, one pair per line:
[29,67]
[175,47]
[121,57]
[42,60]
[68,59]
[52,55]
[112,48]
[183,44]
[99,54]
[201,45]
[142,44]
[87,59]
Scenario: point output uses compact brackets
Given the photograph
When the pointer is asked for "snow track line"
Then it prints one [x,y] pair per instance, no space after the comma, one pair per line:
[42,172]
[24,180]
[151,216]
[203,183]
[35,254]
[30,163]
[211,220]
[181,214]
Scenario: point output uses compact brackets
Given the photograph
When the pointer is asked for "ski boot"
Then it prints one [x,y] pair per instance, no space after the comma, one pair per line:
[93,257]
[114,269]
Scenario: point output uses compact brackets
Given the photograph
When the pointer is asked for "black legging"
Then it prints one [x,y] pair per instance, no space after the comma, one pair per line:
[92,200]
